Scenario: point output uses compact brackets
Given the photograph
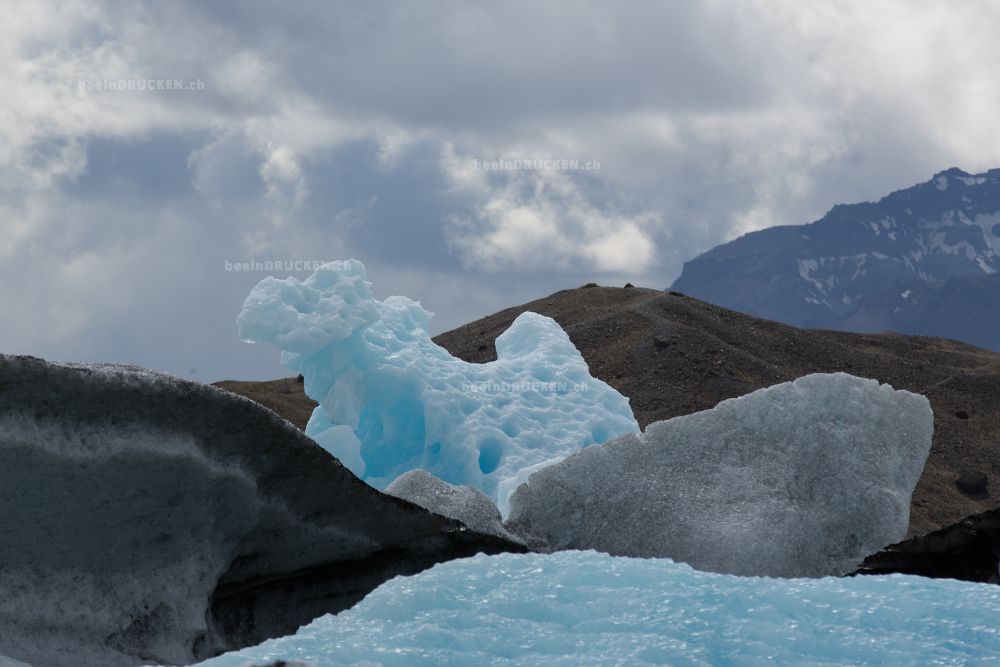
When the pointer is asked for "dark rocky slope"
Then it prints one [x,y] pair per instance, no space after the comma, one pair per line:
[284,396]
[968,550]
[151,519]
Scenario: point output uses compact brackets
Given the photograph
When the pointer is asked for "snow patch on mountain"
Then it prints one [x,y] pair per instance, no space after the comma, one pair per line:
[972,180]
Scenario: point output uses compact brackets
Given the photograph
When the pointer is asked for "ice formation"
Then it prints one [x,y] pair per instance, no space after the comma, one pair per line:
[7,662]
[462,503]
[372,366]
[143,517]
[585,608]
[804,478]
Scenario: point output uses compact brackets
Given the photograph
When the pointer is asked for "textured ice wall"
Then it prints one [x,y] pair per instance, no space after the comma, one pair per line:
[113,539]
[584,608]
[146,518]
[804,478]
[372,366]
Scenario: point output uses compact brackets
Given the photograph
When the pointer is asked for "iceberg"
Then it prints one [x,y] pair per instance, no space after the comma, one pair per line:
[145,518]
[463,503]
[586,608]
[372,366]
[804,478]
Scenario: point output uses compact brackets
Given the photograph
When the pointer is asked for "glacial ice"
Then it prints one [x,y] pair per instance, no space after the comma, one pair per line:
[8,662]
[586,608]
[462,503]
[144,517]
[804,478]
[372,366]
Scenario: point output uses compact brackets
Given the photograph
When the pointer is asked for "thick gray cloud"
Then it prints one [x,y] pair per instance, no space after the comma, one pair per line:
[328,130]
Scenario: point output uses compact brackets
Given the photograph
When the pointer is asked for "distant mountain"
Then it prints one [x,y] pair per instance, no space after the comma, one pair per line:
[924,260]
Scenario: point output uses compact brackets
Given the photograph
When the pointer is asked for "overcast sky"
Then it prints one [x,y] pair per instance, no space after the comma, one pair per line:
[315,130]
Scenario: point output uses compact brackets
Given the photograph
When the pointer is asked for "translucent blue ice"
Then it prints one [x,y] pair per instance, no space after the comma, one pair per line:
[585,608]
[372,367]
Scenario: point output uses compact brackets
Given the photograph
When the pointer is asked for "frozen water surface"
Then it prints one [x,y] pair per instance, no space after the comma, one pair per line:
[586,608]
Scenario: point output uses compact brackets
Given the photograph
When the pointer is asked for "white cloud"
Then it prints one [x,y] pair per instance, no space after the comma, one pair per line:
[622,248]
[709,120]
[284,180]
[543,220]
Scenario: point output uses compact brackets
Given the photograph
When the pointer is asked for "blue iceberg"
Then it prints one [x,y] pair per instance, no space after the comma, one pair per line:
[391,400]
[586,608]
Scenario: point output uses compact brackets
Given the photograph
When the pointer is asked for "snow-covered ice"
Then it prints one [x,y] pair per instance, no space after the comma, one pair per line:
[804,478]
[585,608]
[372,366]
[464,503]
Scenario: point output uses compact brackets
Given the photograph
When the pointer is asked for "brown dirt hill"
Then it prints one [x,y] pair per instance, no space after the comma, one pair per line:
[673,355]
[284,396]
